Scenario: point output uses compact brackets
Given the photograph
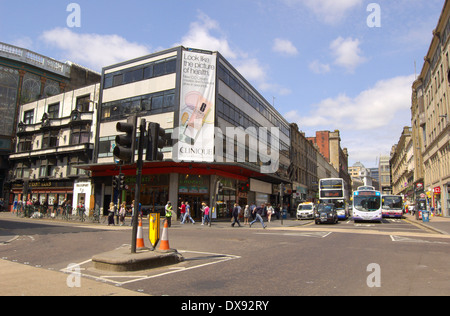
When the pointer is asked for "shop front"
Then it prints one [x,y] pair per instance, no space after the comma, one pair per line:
[45,192]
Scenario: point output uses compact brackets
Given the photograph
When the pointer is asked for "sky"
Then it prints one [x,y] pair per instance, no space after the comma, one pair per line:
[344,65]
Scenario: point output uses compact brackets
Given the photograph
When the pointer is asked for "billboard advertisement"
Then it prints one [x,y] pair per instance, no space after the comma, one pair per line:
[197,108]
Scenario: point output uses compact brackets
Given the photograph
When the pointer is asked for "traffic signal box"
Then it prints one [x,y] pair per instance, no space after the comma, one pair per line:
[155,142]
[125,143]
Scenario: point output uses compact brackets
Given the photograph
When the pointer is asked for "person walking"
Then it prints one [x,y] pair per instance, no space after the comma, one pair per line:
[111,214]
[258,213]
[206,218]
[169,213]
[270,211]
[122,213]
[236,212]
[182,209]
[246,214]
[188,214]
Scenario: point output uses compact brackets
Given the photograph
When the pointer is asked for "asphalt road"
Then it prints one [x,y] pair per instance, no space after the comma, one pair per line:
[298,259]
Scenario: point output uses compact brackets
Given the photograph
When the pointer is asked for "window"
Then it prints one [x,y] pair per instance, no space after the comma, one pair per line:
[118,80]
[28,117]
[157,102]
[50,139]
[25,144]
[132,76]
[83,103]
[53,111]
[159,68]
[80,135]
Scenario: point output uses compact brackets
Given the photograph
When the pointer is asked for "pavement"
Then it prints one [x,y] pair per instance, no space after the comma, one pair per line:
[17,279]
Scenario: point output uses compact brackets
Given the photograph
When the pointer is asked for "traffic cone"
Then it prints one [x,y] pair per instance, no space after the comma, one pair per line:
[164,244]
[140,237]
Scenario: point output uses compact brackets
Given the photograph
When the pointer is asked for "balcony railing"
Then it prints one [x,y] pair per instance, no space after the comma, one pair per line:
[35,59]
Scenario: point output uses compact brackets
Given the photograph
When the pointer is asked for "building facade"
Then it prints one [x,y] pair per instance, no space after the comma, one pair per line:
[54,136]
[430,119]
[402,166]
[26,76]
[218,128]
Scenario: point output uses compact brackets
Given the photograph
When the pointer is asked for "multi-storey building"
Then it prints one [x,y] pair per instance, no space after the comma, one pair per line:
[54,136]
[384,171]
[329,144]
[26,76]
[401,165]
[218,128]
[430,118]
[304,170]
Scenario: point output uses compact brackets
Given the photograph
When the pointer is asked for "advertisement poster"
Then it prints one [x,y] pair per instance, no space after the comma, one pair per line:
[197,108]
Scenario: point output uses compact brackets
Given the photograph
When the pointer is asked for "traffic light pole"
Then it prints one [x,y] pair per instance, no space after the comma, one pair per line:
[137,195]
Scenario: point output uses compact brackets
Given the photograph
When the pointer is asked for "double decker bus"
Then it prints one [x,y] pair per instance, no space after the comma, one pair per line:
[392,206]
[367,205]
[333,190]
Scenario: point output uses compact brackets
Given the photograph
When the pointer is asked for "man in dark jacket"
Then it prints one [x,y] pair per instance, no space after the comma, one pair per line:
[236,211]
[258,212]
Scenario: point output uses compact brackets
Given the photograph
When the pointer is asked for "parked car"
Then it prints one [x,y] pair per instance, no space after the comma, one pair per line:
[305,211]
[326,213]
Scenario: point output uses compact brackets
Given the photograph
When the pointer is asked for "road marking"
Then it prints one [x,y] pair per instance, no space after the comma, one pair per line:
[411,240]
[219,258]
[301,234]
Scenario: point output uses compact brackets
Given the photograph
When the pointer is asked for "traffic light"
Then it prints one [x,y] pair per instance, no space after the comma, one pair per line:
[115,182]
[125,144]
[155,142]
[121,181]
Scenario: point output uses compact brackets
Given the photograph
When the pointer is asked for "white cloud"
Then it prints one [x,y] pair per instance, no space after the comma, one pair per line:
[93,50]
[319,68]
[328,11]
[347,53]
[199,36]
[284,47]
[369,123]
[206,33]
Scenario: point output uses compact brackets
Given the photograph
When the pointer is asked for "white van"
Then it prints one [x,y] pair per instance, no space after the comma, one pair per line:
[305,210]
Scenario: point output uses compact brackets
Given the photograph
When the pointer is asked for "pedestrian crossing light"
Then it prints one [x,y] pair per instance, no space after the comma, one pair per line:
[125,143]
[155,142]
[115,182]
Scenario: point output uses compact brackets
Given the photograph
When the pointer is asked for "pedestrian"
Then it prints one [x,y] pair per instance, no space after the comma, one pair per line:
[270,211]
[169,213]
[258,214]
[188,214]
[203,212]
[206,218]
[122,213]
[246,214]
[111,214]
[182,209]
[236,212]
[252,209]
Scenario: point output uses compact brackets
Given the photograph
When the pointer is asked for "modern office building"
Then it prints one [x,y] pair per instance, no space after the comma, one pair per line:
[218,128]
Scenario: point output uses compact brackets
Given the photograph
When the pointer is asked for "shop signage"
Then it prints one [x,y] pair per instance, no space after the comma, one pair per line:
[437,190]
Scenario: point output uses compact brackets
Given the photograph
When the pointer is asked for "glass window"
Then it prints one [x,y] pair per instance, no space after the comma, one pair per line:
[118,80]
[148,72]
[108,82]
[171,65]
[132,76]
[159,68]
[53,110]
[169,100]
[28,117]
[157,102]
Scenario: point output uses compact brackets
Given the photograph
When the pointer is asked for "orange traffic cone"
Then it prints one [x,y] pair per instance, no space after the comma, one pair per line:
[164,244]
[140,237]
